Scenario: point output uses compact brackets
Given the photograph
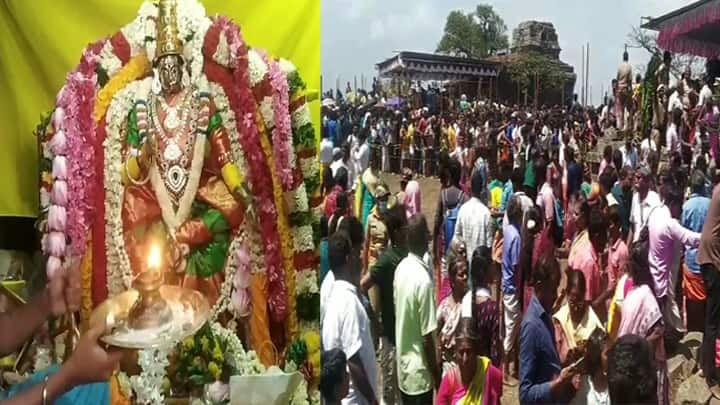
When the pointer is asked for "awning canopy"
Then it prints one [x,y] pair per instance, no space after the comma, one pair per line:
[430,66]
[693,29]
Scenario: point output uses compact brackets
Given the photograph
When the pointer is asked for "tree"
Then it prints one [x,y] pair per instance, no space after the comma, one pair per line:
[492,27]
[647,40]
[473,35]
[526,67]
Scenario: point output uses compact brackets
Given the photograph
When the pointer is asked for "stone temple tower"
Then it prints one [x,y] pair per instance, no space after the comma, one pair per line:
[536,36]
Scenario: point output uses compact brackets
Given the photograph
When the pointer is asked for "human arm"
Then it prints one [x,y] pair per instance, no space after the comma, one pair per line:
[437,225]
[560,341]
[440,324]
[89,363]
[428,326]
[61,296]
[686,236]
[367,282]
[489,232]
[530,391]
[23,322]
[360,378]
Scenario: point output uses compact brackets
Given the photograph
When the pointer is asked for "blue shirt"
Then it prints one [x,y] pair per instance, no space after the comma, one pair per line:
[506,195]
[694,212]
[332,132]
[539,360]
[510,258]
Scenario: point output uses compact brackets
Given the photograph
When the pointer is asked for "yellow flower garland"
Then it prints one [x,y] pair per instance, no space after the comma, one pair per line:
[285,236]
[135,69]
[86,270]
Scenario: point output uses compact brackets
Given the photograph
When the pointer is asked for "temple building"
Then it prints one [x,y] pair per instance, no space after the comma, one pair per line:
[488,78]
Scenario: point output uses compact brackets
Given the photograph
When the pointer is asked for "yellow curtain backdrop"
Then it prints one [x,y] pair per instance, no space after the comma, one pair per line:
[42,40]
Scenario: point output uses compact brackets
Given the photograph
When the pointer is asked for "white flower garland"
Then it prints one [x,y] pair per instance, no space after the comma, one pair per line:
[303,238]
[119,275]
[227,286]
[306,282]
[222,52]
[108,61]
[287,66]
[242,361]
[257,69]
[148,385]
[309,166]
[301,116]
[266,110]
[297,200]
[300,396]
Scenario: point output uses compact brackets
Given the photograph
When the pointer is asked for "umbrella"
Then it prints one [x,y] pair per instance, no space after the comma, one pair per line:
[328,102]
[394,102]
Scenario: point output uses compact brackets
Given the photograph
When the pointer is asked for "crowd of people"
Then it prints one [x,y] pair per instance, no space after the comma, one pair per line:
[568,280]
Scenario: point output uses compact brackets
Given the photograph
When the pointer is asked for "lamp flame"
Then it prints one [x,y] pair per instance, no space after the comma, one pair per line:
[153,262]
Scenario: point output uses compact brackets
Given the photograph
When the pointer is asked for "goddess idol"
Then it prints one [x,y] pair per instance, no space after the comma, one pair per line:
[173,133]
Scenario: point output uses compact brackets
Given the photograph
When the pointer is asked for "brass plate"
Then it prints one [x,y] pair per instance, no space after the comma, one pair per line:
[177,297]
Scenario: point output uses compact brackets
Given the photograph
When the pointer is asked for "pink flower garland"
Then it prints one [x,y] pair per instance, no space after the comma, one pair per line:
[241,100]
[241,296]
[78,100]
[71,211]
[281,133]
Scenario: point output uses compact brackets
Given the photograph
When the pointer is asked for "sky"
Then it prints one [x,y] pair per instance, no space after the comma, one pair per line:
[356,34]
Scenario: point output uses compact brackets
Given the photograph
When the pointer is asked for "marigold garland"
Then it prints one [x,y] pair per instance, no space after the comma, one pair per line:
[285,235]
[86,273]
[135,69]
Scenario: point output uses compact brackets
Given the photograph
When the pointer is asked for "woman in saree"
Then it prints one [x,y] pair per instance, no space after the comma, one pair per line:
[449,310]
[641,315]
[479,304]
[474,380]
[575,321]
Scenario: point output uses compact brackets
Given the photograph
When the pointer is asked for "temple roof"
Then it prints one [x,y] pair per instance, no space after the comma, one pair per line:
[431,66]
[693,29]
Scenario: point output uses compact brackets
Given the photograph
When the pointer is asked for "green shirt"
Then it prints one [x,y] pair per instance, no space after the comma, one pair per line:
[586,188]
[382,274]
[415,318]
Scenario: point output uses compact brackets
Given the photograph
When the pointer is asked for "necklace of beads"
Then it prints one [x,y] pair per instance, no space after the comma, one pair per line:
[173,162]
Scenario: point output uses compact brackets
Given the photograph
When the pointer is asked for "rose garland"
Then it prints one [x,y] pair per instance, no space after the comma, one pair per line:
[281,132]
[242,102]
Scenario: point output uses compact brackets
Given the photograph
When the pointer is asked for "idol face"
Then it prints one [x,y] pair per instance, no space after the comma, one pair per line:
[170,69]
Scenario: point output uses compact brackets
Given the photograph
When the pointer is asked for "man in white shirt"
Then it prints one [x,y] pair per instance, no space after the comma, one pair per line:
[672,138]
[646,146]
[326,150]
[474,224]
[676,99]
[361,156]
[344,322]
[629,153]
[706,92]
[644,201]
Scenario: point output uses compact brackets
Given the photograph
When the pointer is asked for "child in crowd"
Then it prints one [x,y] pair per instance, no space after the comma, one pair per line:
[593,388]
